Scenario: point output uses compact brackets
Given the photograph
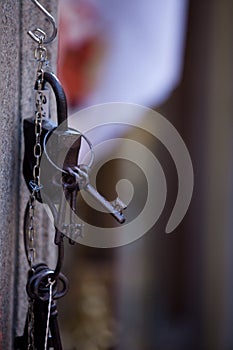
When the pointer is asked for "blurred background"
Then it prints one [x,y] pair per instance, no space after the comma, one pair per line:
[162,292]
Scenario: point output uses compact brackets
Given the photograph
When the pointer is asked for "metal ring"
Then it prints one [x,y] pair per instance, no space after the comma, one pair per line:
[89,165]
[65,284]
[41,292]
[33,285]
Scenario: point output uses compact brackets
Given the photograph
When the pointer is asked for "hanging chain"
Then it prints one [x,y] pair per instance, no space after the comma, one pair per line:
[41,57]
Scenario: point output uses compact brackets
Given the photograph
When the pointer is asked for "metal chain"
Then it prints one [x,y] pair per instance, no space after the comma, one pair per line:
[31,251]
[35,183]
[40,56]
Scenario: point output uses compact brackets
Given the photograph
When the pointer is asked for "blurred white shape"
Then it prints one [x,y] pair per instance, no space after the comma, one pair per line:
[143,63]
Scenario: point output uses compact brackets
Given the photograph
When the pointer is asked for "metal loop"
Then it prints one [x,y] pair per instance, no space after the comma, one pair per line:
[40,34]
[40,54]
[40,75]
[34,34]
[38,129]
[37,286]
[89,165]
[31,255]
[37,150]
[38,117]
[40,98]
[36,172]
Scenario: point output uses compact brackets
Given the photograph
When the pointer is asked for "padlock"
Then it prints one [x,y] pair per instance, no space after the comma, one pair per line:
[64,145]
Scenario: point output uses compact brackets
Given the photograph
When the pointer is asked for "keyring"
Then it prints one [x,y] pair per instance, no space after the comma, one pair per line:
[89,165]
[37,288]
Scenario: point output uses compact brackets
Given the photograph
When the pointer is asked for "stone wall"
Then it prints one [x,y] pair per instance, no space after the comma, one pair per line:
[17,75]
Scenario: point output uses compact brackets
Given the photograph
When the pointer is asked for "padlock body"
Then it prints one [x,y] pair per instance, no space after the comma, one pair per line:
[63,150]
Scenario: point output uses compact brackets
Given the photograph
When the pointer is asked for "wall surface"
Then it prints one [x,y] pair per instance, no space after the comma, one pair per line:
[17,76]
[9,159]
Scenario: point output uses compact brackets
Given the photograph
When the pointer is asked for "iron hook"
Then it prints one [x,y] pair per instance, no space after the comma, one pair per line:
[34,35]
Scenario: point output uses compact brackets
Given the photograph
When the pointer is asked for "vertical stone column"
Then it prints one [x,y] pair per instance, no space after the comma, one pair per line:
[9,160]
[17,76]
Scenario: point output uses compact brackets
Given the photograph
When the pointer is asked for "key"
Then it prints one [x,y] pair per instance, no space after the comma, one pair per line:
[41,313]
[41,295]
[60,220]
[75,229]
[81,174]
[55,340]
[43,289]
[66,223]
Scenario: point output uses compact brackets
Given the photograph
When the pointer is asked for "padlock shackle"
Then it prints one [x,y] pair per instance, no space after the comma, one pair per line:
[60,96]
